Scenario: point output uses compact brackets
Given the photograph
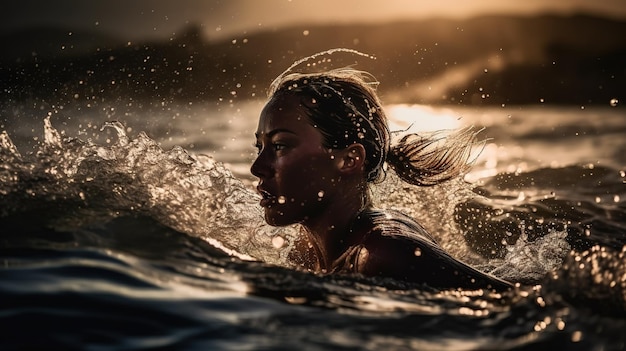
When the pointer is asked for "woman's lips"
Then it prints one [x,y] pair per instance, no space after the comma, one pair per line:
[266,197]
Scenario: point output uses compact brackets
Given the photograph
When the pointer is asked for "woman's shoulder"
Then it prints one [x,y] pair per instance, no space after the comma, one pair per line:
[394,241]
[398,247]
[396,224]
[393,238]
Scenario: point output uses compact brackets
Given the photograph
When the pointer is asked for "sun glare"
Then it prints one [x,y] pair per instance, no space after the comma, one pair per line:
[420,118]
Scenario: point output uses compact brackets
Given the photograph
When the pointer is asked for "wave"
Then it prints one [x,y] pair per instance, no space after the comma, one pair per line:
[519,226]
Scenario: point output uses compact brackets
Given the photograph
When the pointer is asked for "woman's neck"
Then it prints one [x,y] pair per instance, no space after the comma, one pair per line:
[330,233]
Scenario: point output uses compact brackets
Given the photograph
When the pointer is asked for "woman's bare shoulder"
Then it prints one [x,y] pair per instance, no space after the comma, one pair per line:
[395,248]
[391,255]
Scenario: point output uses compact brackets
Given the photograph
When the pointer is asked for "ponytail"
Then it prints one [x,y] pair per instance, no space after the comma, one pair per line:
[431,158]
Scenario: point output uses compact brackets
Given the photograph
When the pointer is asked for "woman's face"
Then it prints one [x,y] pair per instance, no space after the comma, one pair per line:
[297,175]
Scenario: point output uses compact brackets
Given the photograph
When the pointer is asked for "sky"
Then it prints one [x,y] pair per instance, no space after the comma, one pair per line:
[135,19]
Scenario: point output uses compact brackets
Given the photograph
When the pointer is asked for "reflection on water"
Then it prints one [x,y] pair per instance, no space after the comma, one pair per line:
[422,118]
[109,238]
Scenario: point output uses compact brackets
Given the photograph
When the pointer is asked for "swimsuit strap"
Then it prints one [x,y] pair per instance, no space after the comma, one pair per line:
[351,260]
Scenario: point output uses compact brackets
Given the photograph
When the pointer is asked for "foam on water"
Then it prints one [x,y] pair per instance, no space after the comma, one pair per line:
[193,194]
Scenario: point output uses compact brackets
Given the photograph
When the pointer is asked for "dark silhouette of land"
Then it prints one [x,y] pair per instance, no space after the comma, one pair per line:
[552,59]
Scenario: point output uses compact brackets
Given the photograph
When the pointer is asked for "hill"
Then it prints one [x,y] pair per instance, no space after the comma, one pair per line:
[485,60]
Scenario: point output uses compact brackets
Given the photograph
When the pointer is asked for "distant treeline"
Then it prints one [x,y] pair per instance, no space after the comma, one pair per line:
[485,60]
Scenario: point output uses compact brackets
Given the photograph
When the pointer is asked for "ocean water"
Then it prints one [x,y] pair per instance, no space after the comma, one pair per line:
[136,227]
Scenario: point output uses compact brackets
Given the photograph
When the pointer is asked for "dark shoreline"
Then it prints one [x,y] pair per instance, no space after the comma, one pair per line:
[559,60]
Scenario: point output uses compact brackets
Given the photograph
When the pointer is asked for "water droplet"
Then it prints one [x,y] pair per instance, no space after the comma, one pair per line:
[282,199]
[613,102]
[320,194]
[417,252]
[278,241]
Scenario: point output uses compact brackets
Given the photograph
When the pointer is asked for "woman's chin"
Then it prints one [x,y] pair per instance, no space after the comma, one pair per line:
[274,217]
[277,218]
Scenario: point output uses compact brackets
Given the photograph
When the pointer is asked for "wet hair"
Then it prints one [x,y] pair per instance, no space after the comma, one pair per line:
[344,106]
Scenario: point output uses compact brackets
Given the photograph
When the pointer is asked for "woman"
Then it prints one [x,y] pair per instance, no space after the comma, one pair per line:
[322,139]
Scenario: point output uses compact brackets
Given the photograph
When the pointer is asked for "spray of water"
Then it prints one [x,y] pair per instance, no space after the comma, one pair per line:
[197,195]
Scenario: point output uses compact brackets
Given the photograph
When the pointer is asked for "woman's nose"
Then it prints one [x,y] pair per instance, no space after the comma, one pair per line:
[260,167]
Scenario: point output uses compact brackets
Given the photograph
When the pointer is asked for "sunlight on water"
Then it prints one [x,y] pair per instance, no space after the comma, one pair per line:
[178,189]
[197,195]
[129,218]
[520,218]
[421,118]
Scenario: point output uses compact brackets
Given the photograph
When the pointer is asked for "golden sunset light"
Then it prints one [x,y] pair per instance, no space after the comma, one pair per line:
[222,19]
[313,175]
[247,16]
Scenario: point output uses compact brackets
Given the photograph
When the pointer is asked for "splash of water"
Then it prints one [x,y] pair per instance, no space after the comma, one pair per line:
[529,261]
[192,194]
[6,145]
[325,53]
[197,195]
[319,54]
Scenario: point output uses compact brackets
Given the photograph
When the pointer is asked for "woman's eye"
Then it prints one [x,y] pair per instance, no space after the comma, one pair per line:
[275,147]
[279,147]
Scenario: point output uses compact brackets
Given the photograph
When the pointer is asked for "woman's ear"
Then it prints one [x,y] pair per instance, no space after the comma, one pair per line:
[352,159]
